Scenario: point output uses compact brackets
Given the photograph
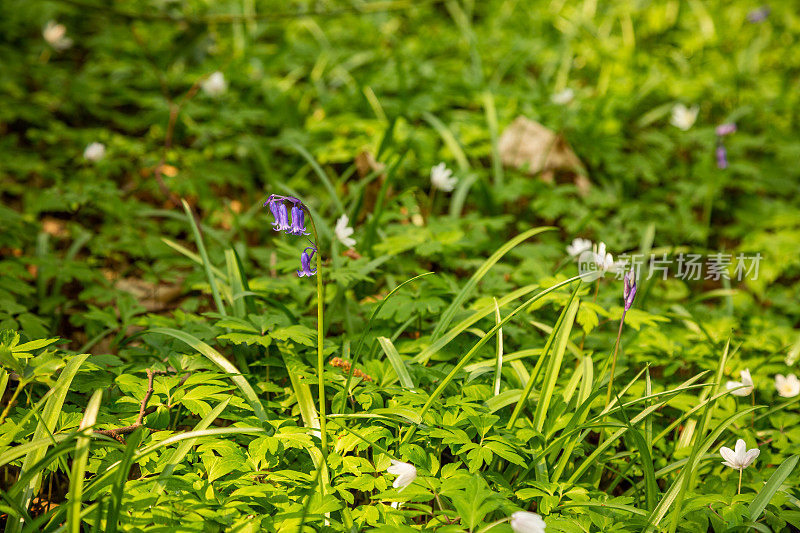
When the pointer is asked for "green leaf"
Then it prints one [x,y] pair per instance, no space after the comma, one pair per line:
[222,363]
[397,362]
[774,483]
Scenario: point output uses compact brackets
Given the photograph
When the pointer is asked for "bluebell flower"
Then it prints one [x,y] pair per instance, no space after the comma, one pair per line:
[305,262]
[722,156]
[758,15]
[629,288]
[298,221]
[278,208]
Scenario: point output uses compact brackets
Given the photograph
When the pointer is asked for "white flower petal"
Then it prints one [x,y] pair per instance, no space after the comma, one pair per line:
[729,456]
[525,522]
[406,473]
[750,456]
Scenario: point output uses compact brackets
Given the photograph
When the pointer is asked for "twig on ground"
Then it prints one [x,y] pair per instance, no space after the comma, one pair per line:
[117,433]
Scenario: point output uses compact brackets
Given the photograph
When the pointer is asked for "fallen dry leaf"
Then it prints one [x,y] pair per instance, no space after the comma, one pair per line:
[54,227]
[529,145]
[152,296]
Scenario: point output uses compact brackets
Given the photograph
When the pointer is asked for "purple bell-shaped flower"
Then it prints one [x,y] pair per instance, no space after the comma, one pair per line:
[305,263]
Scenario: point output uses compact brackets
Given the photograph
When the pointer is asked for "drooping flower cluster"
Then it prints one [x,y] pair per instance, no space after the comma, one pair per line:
[758,15]
[722,154]
[297,226]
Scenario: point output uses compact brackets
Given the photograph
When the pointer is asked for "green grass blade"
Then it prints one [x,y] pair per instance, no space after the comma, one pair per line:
[302,392]
[79,462]
[554,365]
[3,381]
[491,122]
[397,362]
[365,332]
[218,359]
[468,356]
[449,140]
[191,255]
[118,491]
[465,291]
[44,430]
[774,483]
[688,479]
[235,283]
[424,356]
[535,373]
[671,499]
[201,248]
[184,447]
[498,369]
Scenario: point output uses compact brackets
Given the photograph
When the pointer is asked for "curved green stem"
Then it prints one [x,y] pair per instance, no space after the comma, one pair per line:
[614,360]
[320,338]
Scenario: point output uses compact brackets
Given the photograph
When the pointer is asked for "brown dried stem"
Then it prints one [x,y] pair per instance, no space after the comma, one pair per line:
[117,433]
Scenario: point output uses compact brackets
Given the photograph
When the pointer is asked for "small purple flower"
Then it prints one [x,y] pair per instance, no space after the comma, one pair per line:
[305,262]
[629,288]
[278,208]
[722,156]
[726,129]
[274,207]
[758,15]
[298,221]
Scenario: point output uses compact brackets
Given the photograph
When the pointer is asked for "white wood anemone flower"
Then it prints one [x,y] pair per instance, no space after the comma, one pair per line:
[743,387]
[94,152]
[579,246]
[215,85]
[526,522]
[343,231]
[563,97]
[56,35]
[683,117]
[406,474]
[740,457]
[787,386]
[442,178]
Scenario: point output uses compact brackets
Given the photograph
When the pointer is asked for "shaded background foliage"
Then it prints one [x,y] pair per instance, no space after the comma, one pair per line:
[82,249]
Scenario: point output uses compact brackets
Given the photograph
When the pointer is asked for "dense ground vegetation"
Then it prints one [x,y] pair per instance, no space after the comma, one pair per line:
[163,365]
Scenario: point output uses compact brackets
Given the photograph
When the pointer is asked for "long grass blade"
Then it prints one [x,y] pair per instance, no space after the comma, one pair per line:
[201,248]
[184,447]
[79,462]
[44,430]
[397,362]
[217,358]
[774,483]
[118,491]
[498,369]
[465,291]
[468,356]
